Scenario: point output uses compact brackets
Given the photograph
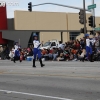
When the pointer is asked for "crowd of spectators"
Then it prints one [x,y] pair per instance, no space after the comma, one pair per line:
[73,50]
[4,52]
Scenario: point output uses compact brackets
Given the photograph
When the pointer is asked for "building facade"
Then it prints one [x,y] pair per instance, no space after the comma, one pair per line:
[47,25]
[3,23]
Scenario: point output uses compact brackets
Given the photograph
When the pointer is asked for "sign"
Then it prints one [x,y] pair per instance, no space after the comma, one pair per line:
[91,6]
[97,28]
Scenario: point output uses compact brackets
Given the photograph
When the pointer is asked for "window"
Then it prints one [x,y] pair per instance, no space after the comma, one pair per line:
[73,35]
[53,44]
[46,44]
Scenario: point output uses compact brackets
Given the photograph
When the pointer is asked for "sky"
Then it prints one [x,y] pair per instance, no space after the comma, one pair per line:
[23,5]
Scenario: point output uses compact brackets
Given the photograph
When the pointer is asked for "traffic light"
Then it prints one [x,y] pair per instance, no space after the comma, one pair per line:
[92,32]
[82,30]
[81,16]
[90,21]
[30,6]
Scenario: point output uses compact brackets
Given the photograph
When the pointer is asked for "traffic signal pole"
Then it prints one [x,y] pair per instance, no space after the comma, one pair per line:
[85,29]
[84,17]
[61,6]
[93,14]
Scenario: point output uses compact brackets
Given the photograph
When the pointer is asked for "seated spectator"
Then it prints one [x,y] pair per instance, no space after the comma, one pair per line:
[50,54]
[98,55]
[81,57]
[55,54]
[28,49]
[71,56]
[82,43]
[46,55]
[78,45]
[59,51]
[66,54]
[11,54]
[43,52]
[74,51]
[22,55]
[25,55]
[61,57]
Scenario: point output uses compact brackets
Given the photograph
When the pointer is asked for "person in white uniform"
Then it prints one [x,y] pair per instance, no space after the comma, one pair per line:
[16,52]
[37,51]
[16,46]
[89,44]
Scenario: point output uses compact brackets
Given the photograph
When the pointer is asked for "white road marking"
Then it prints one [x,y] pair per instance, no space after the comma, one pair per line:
[37,95]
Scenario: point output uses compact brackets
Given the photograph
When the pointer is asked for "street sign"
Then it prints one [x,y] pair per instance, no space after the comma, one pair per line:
[91,6]
[97,28]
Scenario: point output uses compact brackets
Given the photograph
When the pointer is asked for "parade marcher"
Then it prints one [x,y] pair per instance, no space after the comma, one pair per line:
[16,46]
[17,55]
[37,51]
[89,52]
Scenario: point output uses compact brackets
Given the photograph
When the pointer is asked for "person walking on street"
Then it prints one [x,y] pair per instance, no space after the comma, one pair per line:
[17,55]
[89,50]
[37,51]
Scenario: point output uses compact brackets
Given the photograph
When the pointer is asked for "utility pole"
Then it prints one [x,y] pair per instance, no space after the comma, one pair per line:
[84,17]
[93,14]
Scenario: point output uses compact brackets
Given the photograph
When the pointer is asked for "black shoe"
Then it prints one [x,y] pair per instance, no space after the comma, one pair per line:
[91,58]
[34,66]
[33,63]
[42,65]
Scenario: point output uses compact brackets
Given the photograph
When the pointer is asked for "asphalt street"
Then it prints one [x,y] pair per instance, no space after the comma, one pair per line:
[55,81]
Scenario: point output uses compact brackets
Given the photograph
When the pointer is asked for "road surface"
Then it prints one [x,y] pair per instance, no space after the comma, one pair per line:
[55,81]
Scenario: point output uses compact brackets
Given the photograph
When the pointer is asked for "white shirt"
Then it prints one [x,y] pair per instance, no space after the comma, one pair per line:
[13,50]
[16,47]
[36,44]
[93,41]
[61,46]
[12,53]
[88,42]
